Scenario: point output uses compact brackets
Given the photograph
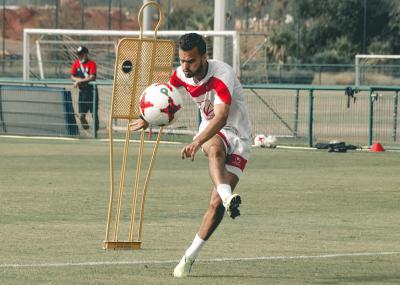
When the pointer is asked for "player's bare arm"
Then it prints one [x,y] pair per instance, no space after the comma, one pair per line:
[75,80]
[221,112]
[78,80]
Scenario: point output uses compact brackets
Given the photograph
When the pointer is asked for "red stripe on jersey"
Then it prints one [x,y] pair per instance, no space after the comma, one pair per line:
[196,91]
[175,80]
[221,89]
[222,136]
[237,161]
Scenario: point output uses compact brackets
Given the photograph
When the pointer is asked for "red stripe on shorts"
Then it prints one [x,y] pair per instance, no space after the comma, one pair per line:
[223,137]
[237,161]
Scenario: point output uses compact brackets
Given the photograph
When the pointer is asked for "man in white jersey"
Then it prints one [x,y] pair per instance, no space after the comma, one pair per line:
[224,134]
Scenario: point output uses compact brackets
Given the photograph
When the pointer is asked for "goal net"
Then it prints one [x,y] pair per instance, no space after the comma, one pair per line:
[377,69]
[49,54]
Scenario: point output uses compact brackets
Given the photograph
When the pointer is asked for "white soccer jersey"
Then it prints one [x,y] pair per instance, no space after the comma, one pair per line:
[219,86]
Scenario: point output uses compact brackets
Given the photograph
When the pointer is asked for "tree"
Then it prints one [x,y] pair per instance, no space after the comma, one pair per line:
[193,18]
[333,31]
[281,44]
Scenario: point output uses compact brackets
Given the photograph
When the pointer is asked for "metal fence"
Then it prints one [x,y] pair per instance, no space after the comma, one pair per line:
[258,72]
[296,114]
[185,125]
[36,111]
[307,114]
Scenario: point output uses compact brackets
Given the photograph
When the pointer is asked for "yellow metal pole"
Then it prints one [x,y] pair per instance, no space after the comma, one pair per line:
[122,182]
[146,182]
[109,216]
[136,188]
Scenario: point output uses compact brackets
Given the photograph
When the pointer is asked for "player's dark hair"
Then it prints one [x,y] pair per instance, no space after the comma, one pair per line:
[192,40]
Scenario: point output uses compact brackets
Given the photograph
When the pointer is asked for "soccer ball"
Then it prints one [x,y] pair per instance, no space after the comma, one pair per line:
[259,140]
[160,104]
[271,141]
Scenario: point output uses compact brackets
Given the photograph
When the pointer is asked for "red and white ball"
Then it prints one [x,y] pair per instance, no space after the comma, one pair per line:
[259,140]
[160,104]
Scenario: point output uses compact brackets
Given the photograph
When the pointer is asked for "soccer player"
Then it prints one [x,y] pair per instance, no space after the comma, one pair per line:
[224,134]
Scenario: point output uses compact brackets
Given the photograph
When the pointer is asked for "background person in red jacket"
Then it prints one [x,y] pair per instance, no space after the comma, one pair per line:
[82,72]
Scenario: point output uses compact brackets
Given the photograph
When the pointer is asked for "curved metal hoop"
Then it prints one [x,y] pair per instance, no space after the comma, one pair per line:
[140,17]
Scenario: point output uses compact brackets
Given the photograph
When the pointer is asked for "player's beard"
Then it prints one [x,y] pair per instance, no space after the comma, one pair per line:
[201,71]
[188,73]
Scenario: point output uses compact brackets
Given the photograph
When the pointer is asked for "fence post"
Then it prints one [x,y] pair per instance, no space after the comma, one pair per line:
[395,103]
[4,23]
[296,113]
[94,102]
[319,75]
[310,117]
[370,117]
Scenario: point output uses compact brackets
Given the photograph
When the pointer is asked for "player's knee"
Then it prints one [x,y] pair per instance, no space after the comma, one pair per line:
[215,151]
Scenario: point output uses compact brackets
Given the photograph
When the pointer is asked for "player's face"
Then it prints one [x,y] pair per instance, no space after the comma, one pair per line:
[83,57]
[193,63]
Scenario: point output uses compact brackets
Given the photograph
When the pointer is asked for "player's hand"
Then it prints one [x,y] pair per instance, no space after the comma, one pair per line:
[138,124]
[190,150]
[76,84]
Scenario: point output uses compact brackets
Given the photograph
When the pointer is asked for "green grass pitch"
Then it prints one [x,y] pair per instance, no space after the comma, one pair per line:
[308,217]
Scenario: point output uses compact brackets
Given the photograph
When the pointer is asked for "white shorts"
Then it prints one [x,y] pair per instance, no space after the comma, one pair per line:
[237,151]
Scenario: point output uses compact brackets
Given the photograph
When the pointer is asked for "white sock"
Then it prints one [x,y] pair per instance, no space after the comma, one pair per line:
[224,191]
[195,247]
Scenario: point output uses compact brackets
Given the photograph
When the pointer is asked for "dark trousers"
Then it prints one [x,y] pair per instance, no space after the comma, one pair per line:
[85,102]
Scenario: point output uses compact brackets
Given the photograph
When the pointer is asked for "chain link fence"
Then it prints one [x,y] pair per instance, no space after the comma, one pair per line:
[296,114]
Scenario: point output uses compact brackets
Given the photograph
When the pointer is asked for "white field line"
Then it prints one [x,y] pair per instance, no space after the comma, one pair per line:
[138,141]
[39,138]
[224,259]
[77,139]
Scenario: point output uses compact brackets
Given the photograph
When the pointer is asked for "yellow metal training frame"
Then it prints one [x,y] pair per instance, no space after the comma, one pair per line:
[139,63]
